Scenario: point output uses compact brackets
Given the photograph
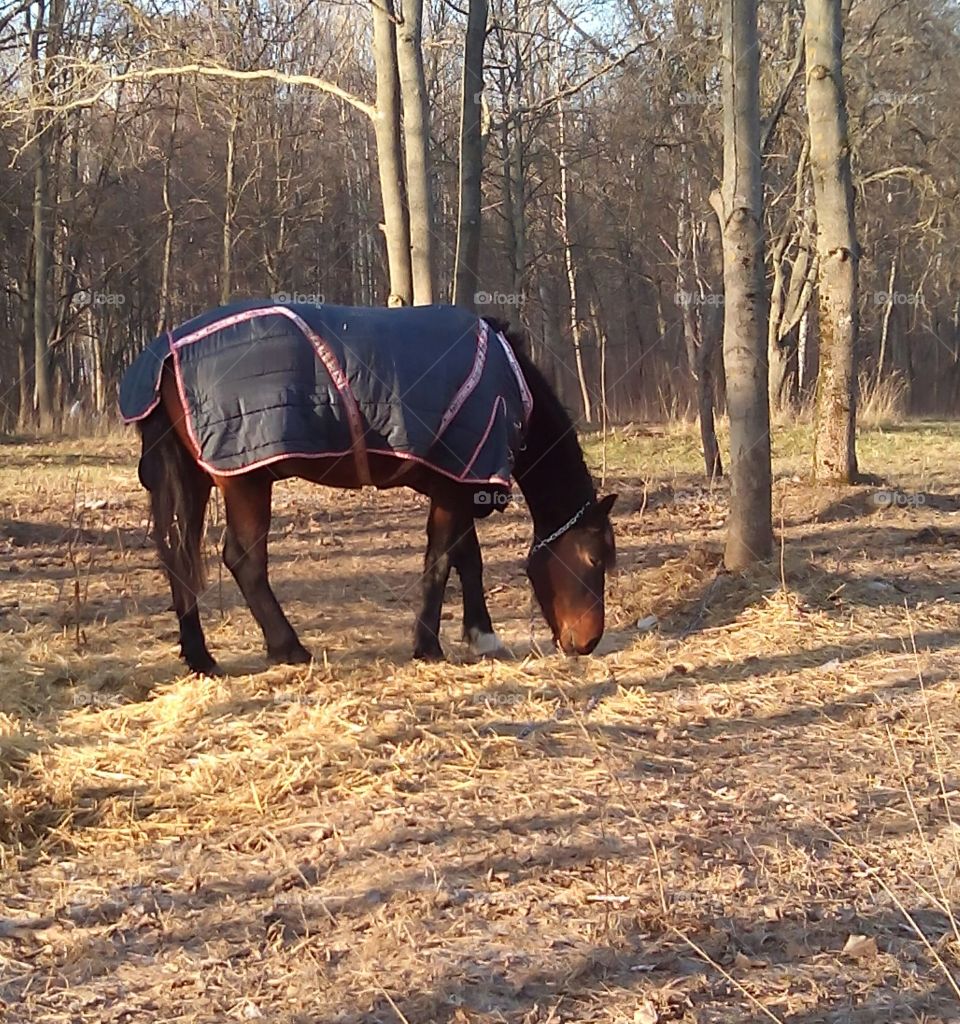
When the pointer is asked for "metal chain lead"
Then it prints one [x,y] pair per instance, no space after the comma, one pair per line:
[568,525]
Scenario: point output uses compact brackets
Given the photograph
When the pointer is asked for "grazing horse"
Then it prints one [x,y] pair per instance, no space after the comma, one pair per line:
[431,398]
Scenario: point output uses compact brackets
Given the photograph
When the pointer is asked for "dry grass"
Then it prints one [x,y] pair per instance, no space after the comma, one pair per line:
[883,402]
[691,826]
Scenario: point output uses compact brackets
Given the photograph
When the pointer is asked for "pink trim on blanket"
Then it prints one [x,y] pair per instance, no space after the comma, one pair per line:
[498,401]
[339,378]
[184,405]
[329,360]
[403,456]
[156,400]
[469,385]
[359,449]
[525,395]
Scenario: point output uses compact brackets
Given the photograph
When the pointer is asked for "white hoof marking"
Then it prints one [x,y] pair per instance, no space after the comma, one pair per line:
[485,644]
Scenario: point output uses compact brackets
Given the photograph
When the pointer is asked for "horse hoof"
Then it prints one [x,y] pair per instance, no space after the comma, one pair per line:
[428,654]
[205,668]
[297,655]
[486,645]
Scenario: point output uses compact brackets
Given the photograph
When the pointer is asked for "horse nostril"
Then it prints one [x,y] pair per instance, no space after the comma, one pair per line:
[570,646]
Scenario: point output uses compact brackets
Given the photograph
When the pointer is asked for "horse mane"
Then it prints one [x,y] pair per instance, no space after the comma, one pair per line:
[557,470]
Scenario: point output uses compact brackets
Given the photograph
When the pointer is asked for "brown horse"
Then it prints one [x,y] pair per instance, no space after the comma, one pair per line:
[572,547]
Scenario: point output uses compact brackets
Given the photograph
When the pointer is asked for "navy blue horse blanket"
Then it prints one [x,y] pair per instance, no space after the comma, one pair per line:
[262,381]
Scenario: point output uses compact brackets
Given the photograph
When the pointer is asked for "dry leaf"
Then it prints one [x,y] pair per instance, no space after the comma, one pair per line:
[646,1013]
[860,947]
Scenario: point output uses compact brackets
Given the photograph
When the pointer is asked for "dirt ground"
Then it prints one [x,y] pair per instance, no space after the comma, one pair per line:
[745,810]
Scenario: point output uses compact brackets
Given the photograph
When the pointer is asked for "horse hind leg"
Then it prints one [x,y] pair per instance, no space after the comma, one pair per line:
[179,493]
[247,501]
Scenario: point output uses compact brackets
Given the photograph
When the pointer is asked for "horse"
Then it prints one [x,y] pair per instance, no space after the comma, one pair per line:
[573,543]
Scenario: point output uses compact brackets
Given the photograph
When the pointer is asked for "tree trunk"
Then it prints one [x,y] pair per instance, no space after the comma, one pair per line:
[467,270]
[835,456]
[43,239]
[43,126]
[170,221]
[889,303]
[575,330]
[739,207]
[96,344]
[803,352]
[396,223]
[26,340]
[229,203]
[698,352]
[416,134]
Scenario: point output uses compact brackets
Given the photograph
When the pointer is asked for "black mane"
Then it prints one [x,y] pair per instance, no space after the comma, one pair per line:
[551,469]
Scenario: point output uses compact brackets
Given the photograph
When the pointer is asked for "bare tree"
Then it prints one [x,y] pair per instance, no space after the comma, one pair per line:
[566,237]
[467,270]
[739,207]
[416,135]
[386,119]
[835,455]
[132,186]
[45,41]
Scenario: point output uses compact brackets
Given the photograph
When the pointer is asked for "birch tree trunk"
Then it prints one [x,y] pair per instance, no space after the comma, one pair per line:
[739,208]
[42,244]
[170,220]
[835,456]
[396,223]
[887,316]
[25,347]
[575,330]
[803,352]
[467,269]
[416,134]
[229,203]
[698,350]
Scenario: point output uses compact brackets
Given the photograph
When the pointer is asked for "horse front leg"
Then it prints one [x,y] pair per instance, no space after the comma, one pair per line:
[445,524]
[478,629]
[247,501]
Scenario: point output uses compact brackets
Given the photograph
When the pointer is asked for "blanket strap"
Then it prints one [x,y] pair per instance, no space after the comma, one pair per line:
[340,382]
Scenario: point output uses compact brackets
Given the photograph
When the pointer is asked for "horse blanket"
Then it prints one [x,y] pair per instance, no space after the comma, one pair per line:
[262,381]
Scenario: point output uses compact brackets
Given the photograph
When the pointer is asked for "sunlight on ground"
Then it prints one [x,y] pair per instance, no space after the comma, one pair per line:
[744,809]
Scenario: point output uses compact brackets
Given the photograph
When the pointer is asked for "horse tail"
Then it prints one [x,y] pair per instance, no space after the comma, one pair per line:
[178,496]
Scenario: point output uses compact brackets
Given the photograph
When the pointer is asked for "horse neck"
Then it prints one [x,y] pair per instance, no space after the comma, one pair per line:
[550,469]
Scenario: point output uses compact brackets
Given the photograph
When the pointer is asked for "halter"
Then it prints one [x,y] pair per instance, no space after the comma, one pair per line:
[568,525]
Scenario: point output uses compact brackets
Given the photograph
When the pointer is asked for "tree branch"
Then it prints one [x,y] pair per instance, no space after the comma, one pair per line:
[215,71]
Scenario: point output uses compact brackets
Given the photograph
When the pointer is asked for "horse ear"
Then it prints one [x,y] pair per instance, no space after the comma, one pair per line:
[604,505]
